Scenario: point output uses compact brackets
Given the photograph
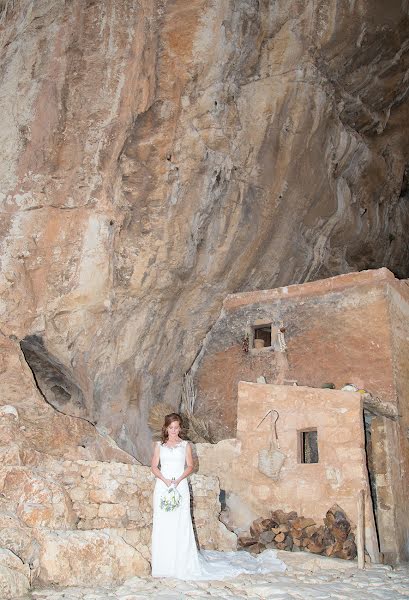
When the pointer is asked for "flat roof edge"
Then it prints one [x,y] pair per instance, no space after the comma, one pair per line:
[318,287]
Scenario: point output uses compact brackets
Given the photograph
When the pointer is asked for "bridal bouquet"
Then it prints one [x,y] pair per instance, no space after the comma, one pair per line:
[170,500]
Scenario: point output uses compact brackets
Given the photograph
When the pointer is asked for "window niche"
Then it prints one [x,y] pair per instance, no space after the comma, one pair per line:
[262,336]
[308,446]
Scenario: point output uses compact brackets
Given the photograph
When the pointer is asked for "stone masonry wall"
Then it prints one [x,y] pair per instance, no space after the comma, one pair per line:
[336,330]
[309,489]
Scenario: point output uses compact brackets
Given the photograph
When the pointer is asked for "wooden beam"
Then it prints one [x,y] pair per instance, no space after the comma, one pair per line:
[360,530]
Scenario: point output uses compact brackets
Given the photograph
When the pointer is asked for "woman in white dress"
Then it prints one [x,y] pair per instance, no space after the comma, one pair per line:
[174,550]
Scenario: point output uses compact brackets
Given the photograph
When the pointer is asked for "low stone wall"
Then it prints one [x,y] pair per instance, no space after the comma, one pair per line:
[94,514]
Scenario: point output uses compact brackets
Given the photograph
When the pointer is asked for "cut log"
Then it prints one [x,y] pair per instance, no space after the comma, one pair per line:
[266,537]
[315,548]
[302,523]
[380,407]
[327,538]
[288,542]
[268,524]
[334,549]
[297,533]
[349,550]
[308,531]
[244,541]
[283,518]
[279,537]
[255,548]
[320,535]
[338,523]
[257,527]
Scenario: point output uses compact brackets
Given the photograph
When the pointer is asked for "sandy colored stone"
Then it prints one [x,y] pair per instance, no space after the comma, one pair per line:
[76,558]
[38,501]
[115,511]
[10,455]
[14,576]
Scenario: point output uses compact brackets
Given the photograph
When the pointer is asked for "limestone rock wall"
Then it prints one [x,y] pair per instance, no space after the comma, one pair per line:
[156,156]
[76,521]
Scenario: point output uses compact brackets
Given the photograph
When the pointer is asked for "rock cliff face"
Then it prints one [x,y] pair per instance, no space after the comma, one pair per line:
[158,155]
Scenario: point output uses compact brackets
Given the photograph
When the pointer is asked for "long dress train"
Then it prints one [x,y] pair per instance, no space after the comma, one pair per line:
[174,550]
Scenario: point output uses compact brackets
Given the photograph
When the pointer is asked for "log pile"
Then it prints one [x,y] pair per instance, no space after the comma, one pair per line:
[288,531]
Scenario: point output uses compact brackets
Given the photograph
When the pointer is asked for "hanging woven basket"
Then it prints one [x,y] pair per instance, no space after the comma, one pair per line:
[271,459]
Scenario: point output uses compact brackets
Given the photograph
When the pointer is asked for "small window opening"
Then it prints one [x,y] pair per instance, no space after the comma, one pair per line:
[262,333]
[309,446]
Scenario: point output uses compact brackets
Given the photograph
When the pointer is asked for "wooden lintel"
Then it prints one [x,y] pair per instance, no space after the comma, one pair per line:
[380,407]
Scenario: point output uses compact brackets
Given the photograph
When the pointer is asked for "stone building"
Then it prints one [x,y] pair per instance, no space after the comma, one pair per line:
[352,328]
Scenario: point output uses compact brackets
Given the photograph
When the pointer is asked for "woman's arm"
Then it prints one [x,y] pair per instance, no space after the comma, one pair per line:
[155,466]
[189,465]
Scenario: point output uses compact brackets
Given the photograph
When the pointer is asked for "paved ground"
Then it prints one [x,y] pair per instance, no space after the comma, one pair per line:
[316,577]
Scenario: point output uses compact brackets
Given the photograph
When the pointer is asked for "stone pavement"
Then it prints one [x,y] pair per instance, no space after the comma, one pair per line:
[306,578]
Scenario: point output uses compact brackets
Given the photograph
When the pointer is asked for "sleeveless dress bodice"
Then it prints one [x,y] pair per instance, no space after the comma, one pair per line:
[172,460]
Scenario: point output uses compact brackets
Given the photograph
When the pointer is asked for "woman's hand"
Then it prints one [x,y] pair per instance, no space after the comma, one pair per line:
[168,482]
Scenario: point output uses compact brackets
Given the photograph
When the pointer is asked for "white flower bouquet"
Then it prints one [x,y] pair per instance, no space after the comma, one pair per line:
[171,499]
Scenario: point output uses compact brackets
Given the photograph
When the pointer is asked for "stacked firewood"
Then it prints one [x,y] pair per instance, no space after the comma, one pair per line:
[288,531]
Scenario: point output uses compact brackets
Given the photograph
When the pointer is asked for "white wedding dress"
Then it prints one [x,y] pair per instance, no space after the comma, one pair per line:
[174,550]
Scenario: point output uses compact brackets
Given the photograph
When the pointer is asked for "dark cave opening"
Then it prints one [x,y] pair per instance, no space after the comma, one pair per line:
[52,378]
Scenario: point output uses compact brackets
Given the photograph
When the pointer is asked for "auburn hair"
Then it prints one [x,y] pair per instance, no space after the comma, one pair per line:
[169,419]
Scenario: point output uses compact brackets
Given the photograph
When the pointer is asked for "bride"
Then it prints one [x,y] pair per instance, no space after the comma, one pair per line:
[174,550]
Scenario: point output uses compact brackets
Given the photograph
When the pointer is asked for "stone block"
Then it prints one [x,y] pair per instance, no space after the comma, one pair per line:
[14,576]
[10,455]
[38,501]
[69,558]
[111,511]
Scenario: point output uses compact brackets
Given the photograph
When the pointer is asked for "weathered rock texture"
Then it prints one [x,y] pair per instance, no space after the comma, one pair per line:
[74,507]
[156,156]
[14,575]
